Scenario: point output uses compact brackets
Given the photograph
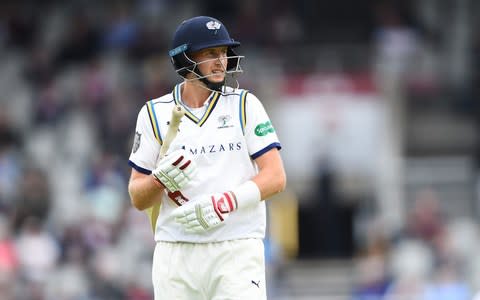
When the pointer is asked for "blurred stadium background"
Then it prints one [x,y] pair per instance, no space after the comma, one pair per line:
[380,98]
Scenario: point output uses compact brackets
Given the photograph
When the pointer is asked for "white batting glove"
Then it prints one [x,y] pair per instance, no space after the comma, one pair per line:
[205,212]
[209,211]
[175,170]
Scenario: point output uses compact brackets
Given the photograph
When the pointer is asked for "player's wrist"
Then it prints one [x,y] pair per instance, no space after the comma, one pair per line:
[246,195]
[158,183]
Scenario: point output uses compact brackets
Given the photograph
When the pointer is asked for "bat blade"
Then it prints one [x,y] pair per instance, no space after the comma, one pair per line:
[177,113]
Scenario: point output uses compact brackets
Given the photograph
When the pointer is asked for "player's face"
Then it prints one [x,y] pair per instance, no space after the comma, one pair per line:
[212,62]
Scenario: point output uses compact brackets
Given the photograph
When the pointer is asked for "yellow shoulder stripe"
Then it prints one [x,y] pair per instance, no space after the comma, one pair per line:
[242,110]
[154,121]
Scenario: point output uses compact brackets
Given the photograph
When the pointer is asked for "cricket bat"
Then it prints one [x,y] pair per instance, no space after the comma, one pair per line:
[177,113]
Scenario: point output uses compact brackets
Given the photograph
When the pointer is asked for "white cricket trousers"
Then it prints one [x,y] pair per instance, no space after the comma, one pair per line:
[233,270]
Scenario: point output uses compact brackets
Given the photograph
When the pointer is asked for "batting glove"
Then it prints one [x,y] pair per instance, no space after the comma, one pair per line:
[209,211]
[175,170]
[205,212]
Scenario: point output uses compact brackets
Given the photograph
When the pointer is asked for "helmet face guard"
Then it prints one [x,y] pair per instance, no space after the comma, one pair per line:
[197,34]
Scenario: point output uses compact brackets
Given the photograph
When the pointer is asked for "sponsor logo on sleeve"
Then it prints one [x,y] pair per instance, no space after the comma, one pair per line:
[263,129]
[136,141]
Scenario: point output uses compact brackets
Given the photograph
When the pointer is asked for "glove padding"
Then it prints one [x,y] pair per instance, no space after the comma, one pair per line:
[205,212]
[175,170]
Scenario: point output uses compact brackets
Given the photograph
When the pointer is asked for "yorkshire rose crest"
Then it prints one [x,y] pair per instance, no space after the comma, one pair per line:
[223,120]
[213,25]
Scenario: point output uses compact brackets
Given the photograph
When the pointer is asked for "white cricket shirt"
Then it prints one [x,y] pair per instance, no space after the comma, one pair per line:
[233,131]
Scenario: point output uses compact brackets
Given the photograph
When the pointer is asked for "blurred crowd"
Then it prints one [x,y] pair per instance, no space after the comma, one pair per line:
[433,257]
[73,76]
[435,254]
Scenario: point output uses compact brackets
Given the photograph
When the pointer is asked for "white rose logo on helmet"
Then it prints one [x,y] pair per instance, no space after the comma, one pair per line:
[213,25]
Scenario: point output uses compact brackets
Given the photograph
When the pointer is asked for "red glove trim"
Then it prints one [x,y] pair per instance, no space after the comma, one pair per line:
[229,200]
[178,161]
[219,214]
[185,165]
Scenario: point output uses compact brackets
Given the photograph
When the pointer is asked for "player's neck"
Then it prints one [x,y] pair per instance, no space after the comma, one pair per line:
[194,94]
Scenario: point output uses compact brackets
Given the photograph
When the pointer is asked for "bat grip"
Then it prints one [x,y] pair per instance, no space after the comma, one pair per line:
[177,113]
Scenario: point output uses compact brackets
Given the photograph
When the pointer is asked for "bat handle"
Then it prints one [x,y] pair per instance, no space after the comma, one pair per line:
[177,113]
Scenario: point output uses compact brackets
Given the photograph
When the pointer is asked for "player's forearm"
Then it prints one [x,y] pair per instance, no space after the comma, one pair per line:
[270,182]
[144,192]
[271,178]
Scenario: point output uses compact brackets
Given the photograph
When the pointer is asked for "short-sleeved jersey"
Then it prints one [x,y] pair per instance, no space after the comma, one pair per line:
[234,130]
